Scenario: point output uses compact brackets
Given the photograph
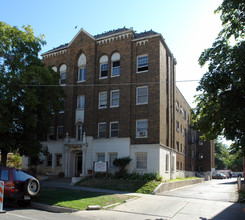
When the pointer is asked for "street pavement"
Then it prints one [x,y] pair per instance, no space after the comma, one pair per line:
[210,200]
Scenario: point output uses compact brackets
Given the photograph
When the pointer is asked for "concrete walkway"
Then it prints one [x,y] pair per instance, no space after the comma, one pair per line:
[171,206]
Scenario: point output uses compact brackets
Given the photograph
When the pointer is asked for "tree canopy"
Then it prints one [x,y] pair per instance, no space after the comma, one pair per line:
[223,159]
[27,90]
[220,105]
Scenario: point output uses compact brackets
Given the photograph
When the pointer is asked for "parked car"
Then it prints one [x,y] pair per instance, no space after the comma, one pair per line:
[219,176]
[19,186]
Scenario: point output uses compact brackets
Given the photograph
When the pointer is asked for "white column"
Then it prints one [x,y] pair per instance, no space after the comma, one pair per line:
[84,163]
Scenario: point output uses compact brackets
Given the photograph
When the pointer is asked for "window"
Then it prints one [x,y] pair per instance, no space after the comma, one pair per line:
[200,155]
[141,128]
[177,126]
[62,105]
[115,64]
[142,95]
[167,163]
[49,160]
[58,160]
[112,157]
[177,165]
[184,114]
[79,132]
[101,157]
[63,74]
[114,98]
[200,142]
[103,67]
[103,100]
[51,133]
[177,145]
[82,74]
[81,68]
[60,132]
[102,130]
[142,63]
[184,132]
[114,129]
[141,160]
[81,102]
[177,106]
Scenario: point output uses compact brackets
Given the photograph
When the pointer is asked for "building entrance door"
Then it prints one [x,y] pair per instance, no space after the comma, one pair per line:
[78,164]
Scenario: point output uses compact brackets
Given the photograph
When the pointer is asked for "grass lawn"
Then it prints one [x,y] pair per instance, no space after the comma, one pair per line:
[78,199]
[138,186]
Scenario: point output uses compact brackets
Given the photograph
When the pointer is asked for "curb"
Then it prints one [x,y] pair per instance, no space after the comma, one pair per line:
[52,208]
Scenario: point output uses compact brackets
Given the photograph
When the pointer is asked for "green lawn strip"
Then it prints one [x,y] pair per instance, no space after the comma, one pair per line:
[181,179]
[78,199]
[139,186]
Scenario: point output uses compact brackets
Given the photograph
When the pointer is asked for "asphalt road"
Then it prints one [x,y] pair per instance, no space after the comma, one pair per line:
[210,200]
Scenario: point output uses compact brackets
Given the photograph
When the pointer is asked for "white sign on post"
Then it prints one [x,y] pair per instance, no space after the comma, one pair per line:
[100,166]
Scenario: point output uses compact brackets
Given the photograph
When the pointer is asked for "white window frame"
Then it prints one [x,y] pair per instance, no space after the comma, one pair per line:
[112,99]
[112,156]
[62,105]
[103,61]
[102,123]
[81,102]
[114,122]
[141,160]
[141,132]
[51,133]
[177,126]
[100,100]
[100,154]
[79,132]
[200,156]
[49,159]
[58,161]
[115,71]
[81,63]
[58,132]
[63,72]
[137,95]
[142,65]
[83,78]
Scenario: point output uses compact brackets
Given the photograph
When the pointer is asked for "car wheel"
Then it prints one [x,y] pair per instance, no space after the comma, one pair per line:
[32,186]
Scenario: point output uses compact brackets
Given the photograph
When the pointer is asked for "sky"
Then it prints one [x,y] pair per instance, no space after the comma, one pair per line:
[188,26]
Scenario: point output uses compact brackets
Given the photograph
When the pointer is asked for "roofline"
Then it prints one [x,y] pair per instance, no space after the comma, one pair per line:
[112,35]
[55,50]
[81,30]
[182,96]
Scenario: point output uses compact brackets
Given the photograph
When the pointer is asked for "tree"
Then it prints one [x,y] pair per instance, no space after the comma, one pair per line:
[221,156]
[26,92]
[220,106]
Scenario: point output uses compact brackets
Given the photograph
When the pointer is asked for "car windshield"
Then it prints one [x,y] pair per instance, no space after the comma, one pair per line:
[21,176]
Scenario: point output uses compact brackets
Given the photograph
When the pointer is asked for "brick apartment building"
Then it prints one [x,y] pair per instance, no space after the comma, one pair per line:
[121,100]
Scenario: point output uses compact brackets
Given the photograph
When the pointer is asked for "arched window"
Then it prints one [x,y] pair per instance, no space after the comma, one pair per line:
[81,68]
[115,64]
[63,74]
[103,67]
